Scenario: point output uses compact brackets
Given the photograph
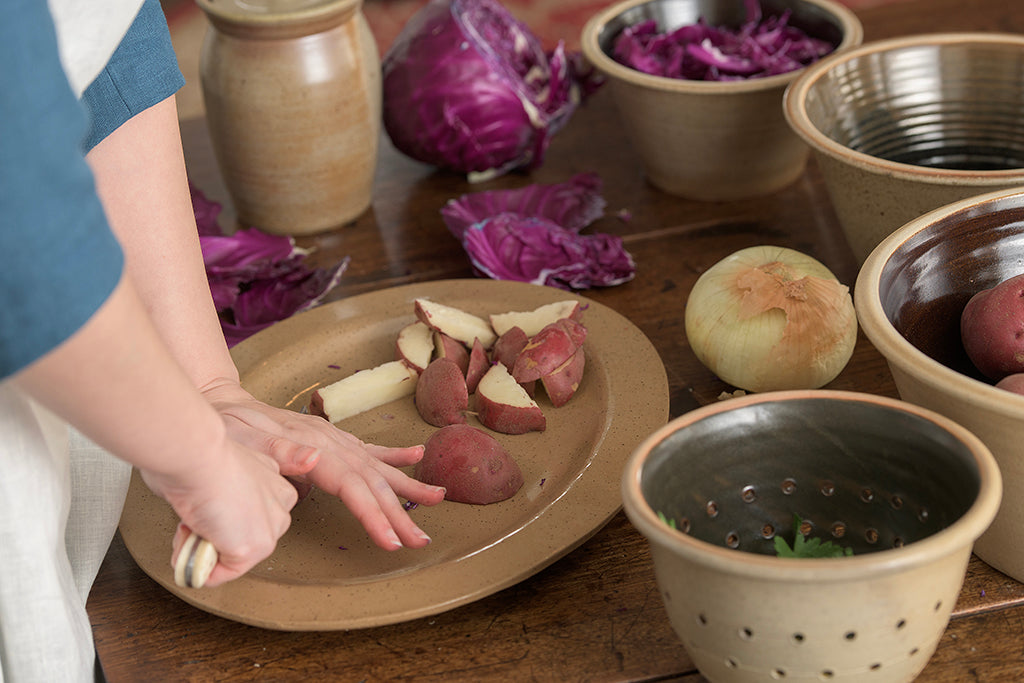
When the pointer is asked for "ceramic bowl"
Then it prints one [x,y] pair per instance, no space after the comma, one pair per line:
[909,296]
[900,127]
[710,140]
[905,488]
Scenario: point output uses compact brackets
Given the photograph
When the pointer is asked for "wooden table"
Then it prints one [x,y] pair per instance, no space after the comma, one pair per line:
[596,614]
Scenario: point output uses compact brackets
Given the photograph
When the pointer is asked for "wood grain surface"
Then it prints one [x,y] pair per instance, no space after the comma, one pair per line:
[596,614]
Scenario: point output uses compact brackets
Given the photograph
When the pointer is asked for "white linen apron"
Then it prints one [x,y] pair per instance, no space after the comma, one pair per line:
[60,495]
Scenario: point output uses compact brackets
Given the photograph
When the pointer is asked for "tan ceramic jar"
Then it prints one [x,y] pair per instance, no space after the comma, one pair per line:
[292,94]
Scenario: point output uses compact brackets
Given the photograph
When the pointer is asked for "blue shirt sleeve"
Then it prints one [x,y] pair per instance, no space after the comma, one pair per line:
[142,72]
[61,260]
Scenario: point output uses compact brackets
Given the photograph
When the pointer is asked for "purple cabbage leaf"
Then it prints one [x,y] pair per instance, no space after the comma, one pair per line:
[533,234]
[257,279]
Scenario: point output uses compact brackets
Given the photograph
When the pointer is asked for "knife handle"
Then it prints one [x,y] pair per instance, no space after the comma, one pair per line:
[196,560]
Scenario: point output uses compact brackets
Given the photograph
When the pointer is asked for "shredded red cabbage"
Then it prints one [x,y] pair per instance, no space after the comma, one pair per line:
[532,234]
[256,279]
[467,87]
[761,46]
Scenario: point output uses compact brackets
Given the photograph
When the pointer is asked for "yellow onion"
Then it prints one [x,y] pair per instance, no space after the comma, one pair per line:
[769,318]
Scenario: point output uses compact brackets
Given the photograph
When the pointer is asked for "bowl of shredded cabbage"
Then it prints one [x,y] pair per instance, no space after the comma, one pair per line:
[699,85]
[902,126]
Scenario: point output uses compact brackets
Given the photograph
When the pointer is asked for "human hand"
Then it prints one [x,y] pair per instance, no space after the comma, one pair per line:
[363,476]
[237,499]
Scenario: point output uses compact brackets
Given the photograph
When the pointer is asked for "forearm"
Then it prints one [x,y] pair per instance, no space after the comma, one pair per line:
[141,179]
[116,382]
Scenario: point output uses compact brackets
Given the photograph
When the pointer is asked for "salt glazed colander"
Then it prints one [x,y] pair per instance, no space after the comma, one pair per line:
[906,489]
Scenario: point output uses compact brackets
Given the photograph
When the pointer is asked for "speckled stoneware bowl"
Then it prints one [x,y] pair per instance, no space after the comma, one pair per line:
[710,140]
[900,127]
[908,490]
[909,296]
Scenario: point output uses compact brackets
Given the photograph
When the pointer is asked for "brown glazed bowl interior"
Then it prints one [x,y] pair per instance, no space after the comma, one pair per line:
[928,280]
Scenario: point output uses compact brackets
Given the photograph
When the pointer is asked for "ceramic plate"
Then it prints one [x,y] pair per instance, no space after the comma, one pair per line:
[325,574]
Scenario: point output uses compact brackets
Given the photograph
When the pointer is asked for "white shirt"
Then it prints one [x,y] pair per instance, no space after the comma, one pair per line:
[88,32]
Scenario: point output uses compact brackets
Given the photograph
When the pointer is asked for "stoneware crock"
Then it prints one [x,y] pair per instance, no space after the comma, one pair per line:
[293,100]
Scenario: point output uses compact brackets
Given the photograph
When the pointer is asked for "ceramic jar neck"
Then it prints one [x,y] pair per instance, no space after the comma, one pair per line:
[277,19]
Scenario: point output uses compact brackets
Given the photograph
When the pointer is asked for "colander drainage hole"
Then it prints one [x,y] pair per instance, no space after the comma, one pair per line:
[896,502]
[767,531]
[712,509]
[732,540]
[838,530]
[748,494]
[867,495]
[828,488]
[871,535]
[788,486]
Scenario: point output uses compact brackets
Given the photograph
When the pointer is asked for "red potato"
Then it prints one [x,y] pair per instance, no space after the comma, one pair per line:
[441,394]
[575,329]
[505,406]
[478,365]
[992,329]
[364,390]
[1014,383]
[545,351]
[508,346]
[415,345]
[561,384]
[471,464]
[455,322]
[534,321]
[451,348]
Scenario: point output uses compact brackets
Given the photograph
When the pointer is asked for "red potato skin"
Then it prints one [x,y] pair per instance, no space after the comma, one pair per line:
[447,347]
[471,464]
[509,419]
[561,384]
[441,394]
[316,405]
[547,350]
[508,346]
[574,328]
[1014,383]
[992,329]
[477,365]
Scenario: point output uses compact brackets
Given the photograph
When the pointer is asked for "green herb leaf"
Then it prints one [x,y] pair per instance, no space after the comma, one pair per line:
[804,547]
[666,520]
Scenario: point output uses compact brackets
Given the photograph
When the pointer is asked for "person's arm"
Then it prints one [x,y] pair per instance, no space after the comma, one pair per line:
[116,382]
[141,178]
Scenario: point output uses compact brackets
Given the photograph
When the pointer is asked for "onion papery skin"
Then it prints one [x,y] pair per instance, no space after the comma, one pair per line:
[769,318]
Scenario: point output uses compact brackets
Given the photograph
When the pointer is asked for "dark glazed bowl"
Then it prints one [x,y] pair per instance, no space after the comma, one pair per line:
[909,296]
[903,126]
